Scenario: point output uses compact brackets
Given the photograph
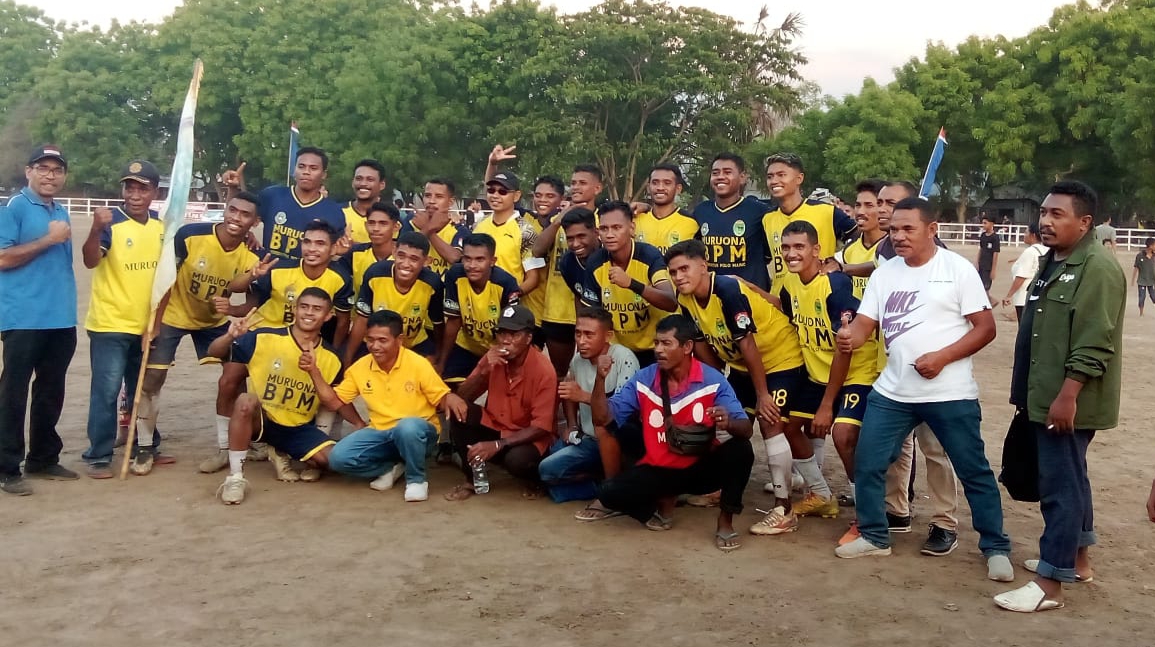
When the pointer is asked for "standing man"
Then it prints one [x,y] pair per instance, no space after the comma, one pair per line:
[1024,270]
[629,279]
[664,224]
[547,194]
[784,177]
[1106,234]
[514,233]
[123,246]
[1066,382]
[37,321]
[989,246]
[381,225]
[864,250]
[934,315]
[368,184]
[433,221]
[1144,273]
[731,224]
[286,211]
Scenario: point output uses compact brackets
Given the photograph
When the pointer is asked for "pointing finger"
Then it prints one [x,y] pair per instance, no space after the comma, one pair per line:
[241,168]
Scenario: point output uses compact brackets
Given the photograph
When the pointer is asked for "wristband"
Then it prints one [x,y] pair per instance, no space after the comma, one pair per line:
[637,287]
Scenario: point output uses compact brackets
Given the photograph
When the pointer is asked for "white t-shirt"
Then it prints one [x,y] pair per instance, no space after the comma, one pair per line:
[1027,266]
[585,372]
[921,310]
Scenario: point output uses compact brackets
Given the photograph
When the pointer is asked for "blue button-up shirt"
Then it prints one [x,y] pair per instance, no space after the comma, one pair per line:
[41,294]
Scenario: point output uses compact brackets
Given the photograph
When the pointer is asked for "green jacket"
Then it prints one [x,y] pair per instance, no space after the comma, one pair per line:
[1078,333]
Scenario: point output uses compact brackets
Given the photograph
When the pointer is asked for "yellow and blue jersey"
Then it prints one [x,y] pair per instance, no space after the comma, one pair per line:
[664,233]
[735,242]
[450,233]
[816,309]
[204,270]
[479,311]
[559,295]
[857,253]
[355,224]
[515,238]
[831,223]
[421,307]
[286,393]
[355,263]
[732,312]
[285,218]
[278,290]
[122,282]
[635,319]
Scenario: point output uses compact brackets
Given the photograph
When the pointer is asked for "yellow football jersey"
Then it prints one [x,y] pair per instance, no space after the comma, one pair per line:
[479,311]
[354,264]
[816,309]
[204,271]
[122,282]
[421,306]
[664,233]
[515,238]
[635,319]
[856,253]
[287,394]
[451,234]
[278,291]
[559,295]
[355,224]
[733,311]
[831,223]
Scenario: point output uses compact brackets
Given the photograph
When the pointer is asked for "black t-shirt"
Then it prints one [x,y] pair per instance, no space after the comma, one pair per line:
[988,246]
[1023,340]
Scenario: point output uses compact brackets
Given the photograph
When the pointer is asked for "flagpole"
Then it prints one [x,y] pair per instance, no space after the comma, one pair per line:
[181,202]
[924,190]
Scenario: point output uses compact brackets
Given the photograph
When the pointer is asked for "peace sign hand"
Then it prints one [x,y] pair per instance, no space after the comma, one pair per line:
[501,154]
[262,268]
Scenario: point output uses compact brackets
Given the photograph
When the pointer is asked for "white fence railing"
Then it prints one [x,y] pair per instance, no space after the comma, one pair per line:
[960,233]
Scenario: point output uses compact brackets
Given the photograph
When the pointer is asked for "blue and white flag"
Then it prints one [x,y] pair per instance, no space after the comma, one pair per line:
[932,168]
[294,143]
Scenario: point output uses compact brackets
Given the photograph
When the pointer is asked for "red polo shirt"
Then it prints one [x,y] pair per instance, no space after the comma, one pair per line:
[527,399]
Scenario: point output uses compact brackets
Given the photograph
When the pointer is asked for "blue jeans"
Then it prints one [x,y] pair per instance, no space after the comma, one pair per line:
[570,471]
[1065,501]
[956,425]
[115,359]
[369,453]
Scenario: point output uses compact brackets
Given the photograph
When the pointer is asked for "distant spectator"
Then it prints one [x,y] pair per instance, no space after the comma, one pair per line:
[1106,234]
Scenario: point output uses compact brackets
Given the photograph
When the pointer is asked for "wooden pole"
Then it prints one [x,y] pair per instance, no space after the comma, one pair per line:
[131,437]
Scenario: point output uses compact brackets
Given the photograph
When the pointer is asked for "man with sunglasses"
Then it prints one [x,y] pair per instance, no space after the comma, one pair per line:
[37,322]
[514,232]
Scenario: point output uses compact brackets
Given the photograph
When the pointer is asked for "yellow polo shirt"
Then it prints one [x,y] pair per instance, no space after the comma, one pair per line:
[411,389]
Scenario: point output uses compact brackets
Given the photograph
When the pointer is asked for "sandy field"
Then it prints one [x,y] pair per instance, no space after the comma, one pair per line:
[158,560]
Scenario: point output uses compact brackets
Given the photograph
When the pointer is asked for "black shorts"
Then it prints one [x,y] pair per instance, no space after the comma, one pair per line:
[459,364]
[782,385]
[985,277]
[163,351]
[557,332]
[300,442]
[849,408]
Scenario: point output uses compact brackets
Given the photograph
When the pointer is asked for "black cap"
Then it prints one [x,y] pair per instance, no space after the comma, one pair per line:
[141,171]
[515,318]
[507,180]
[47,151]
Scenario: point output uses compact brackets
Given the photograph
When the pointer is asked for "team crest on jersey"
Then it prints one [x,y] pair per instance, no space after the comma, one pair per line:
[291,294]
[818,307]
[410,387]
[720,325]
[202,262]
[416,308]
[280,218]
[368,386]
[606,295]
[277,365]
[705,229]
[492,310]
[641,237]
[675,239]
[739,228]
[777,238]
[743,320]
[794,302]
[128,242]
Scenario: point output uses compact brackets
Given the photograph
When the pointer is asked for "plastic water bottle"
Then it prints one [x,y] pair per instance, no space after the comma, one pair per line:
[480,477]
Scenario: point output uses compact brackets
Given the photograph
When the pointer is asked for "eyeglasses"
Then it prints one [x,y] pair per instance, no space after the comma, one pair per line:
[49,171]
[499,190]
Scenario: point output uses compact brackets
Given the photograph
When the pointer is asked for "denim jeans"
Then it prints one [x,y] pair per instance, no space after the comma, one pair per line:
[369,453]
[956,425]
[115,358]
[46,355]
[1065,501]
[571,471]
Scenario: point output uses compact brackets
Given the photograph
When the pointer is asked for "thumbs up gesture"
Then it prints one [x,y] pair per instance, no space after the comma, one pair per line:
[845,339]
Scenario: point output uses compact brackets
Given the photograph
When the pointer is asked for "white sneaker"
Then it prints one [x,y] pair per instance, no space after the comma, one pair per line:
[386,480]
[310,475]
[232,491]
[860,548]
[215,463]
[417,491]
[999,569]
[283,466]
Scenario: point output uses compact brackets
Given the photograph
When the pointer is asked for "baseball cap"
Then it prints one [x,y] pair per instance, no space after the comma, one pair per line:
[47,151]
[507,180]
[141,171]
[515,318]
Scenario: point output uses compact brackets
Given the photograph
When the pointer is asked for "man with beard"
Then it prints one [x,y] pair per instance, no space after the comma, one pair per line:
[664,224]
[368,184]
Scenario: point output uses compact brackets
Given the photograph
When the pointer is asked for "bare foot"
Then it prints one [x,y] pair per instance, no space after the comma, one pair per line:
[460,493]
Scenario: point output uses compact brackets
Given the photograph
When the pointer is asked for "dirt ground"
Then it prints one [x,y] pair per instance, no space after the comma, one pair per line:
[158,560]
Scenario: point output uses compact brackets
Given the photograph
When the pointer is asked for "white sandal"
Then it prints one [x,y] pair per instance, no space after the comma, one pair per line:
[1032,565]
[1027,599]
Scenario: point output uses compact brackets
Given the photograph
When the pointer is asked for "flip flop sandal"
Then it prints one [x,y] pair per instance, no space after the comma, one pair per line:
[1032,565]
[458,493]
[658,523]
[595,512]
[721,539]
[1028,599]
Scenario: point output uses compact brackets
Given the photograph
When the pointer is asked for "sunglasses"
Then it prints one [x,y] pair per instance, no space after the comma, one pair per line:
[499,190]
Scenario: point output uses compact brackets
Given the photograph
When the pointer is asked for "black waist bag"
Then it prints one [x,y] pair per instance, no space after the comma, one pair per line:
[1020,473]
[687,440]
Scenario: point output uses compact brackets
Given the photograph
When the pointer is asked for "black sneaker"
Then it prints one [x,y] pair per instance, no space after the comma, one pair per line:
[15,485]
[940,542]
[897,523]
[55,472]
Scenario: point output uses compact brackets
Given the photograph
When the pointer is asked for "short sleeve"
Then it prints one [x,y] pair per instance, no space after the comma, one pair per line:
[451,306]
[972,296]
[180,244]
[735,307]
[243,347]
[265,209]
[365,299]
[625,366]
[528,238]
[459,234]
[841,299]
[106,237]
[591,294]
[657,270]
[9,227]
[998,243]
[436,299]
[344,297]
[871,300]
[843,224]
[1138,257]
[347,390]
[344,263]
[787,303]
[263,287]
[572,273]
[432,385]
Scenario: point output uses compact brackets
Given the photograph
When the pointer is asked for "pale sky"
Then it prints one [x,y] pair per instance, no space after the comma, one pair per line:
[845,40]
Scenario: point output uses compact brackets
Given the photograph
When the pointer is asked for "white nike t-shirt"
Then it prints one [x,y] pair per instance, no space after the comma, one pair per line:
[921,310]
